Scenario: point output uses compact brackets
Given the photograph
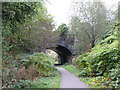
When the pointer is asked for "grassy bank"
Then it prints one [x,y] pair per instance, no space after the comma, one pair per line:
[32,71]
[44,82]
[90,81]
[49,82]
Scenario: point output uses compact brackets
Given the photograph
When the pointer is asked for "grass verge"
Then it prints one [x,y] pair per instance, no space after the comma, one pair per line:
[49,82]
[90,81]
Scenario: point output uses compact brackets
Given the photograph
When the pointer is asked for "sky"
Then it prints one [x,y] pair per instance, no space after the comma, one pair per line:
[60,9]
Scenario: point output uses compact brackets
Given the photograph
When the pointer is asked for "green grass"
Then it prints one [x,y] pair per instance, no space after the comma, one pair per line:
[90,81]
[72,69]
[49,82]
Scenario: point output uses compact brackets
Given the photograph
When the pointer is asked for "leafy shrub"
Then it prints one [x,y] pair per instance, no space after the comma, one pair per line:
[100,60]
[42,62]
[83,73]
[113,79]
[28,67]
[27,73]
[24,84]
[109,40]
[103,60]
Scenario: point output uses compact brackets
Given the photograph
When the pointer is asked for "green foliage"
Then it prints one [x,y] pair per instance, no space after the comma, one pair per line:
[18,11]
[24,84]
[113,80]
[14,14]
[25,25]
[62,31]
[26,69]
[109,40]
[49,82]
[88,23]
[72,69]
[44,82]
[96,82]
[103,60]
[42,61]
[88,80]
[27,28]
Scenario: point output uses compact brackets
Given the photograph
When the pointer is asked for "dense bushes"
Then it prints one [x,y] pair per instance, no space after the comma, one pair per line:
[27,28]
[103,60]
[41,61]
[24,84]
[28,67]
[44,82]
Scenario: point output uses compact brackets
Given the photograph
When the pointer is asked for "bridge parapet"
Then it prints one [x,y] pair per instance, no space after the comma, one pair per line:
[67,42]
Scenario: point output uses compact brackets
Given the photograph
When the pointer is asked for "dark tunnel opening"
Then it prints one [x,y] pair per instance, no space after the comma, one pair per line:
[64,54]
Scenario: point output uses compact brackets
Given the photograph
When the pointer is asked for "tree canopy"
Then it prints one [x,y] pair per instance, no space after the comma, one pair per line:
[89,22]
[26,26]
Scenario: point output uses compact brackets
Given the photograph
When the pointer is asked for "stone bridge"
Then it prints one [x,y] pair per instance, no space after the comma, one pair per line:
[64,49]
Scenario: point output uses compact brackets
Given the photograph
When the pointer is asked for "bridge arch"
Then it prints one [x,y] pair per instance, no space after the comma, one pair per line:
[64,54]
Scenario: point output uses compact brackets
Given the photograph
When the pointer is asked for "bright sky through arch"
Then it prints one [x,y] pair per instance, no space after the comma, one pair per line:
[60,9]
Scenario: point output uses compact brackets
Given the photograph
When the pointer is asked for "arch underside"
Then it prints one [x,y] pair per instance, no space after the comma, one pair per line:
[64,54]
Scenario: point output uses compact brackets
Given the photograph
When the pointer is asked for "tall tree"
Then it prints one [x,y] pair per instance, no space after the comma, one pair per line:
[63,33]
[88,22]
[25,27]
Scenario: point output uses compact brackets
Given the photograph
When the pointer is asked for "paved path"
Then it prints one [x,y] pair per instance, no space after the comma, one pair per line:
[69,80]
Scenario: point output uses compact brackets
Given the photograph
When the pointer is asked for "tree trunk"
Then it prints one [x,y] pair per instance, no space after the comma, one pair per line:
[92,43]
